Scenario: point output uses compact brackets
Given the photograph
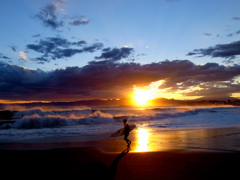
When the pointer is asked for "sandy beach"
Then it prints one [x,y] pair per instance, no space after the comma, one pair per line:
[211,153]
[92,163]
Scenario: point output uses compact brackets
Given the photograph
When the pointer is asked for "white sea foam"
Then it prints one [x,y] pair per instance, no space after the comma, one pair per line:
[38,123]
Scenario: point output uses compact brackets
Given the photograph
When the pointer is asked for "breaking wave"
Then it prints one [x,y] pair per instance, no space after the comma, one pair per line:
[36,118]
[39,118]
[58,122]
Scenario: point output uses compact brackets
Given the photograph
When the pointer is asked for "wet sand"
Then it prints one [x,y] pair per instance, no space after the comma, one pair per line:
[93,163]
[193,154]
[217,139]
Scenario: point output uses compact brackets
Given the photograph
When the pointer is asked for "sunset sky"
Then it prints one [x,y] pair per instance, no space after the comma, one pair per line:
[68,50]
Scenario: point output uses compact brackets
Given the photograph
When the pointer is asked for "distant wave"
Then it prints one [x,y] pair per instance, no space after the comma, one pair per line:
[38,118]
[162,113]
[57,122]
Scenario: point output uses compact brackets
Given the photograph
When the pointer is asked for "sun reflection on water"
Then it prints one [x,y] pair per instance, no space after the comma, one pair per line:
[143,140]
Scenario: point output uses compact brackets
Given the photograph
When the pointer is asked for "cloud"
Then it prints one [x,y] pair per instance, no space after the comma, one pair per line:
[115,54]
[17,81]
[79,21]
[222,90]
[49,16]
[228,51]
[92,48]
[110,79]
[23,56]
[236,18]
[207,34]
[3,56]
[237,32]
[14,48]
[53,48]
[232,34]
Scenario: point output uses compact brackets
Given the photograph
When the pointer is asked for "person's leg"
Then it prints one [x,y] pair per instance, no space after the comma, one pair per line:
[127,140]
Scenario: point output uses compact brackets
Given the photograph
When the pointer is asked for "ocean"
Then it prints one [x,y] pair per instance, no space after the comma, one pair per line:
[36,123]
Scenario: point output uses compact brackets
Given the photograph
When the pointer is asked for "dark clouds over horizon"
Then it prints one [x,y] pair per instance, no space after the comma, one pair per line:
[111,79]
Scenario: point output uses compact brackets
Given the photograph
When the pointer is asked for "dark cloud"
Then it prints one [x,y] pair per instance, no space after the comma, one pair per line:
[115,54]
[219,90]
[53,48]
[92,48]
[232,34]
[236,18]
[14,48]
[110,79]
[79,21]
[207,34]
[41,60]
[228,51]
[237,32]
[17,81]
[49,16]
[3,56]
[190,74]
[79,43]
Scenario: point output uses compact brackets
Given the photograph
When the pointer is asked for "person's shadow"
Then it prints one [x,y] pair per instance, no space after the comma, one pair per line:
[98,170]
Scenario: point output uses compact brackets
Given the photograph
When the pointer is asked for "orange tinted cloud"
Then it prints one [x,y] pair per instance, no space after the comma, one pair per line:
[111,79]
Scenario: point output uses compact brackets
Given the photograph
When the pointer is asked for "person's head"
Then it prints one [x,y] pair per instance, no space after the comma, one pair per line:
[124,121]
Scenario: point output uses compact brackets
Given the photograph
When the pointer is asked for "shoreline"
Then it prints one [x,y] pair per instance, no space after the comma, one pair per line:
[211,139]
[183,155]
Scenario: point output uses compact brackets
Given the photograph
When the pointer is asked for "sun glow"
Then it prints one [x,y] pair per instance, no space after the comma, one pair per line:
[144,94]
[141,97]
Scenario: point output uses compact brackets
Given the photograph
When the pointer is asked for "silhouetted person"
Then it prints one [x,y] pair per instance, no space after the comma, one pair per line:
[126,132]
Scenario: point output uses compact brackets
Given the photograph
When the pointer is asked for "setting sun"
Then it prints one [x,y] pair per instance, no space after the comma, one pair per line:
[144,94]
[141,97]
